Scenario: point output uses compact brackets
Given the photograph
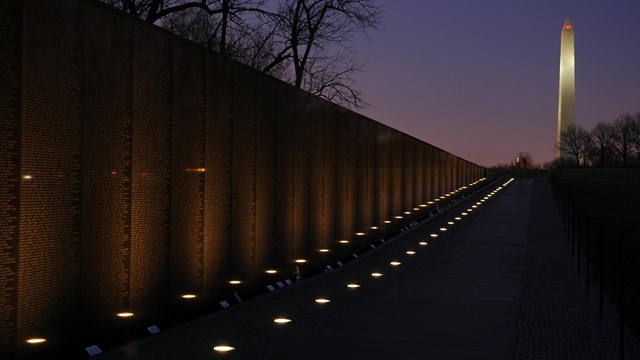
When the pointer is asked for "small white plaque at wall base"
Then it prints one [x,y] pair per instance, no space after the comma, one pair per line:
[329,267]
[288,282]
[373,246]
[224,304]
[382,241]
[280,284]
[271,288]
[153,329]
[339,263]
[237,297]
[355,255]
[93,350]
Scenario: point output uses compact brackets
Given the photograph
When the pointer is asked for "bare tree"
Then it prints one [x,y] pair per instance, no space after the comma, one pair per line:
[575,143]
[603,152]
[154,10]
[623,137]
[316,36]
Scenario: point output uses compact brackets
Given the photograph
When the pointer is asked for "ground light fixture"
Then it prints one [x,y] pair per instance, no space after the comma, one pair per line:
[223,348]
[301,261]
[407,212]
[125,314]
[395,263]
[387,221]
[434,235]
[450,223]
[374,228]
[411,252]
[423,243]
[323,301]
[360,234]
[324,250]
[416,209]
[271,271]
[281,321]
[353,286]
[457,218]
[343,241]
[35,341]
[398,217]
[443,229]
[188,296]
[235,282]
[464,214]
[376,274]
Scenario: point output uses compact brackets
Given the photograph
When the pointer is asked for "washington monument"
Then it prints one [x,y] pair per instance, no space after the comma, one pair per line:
[567,93]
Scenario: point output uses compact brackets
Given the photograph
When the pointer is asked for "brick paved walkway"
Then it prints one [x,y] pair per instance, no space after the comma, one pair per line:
[558,318]
[495,285]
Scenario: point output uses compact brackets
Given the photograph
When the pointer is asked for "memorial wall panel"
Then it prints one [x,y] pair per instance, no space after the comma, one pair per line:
[285,176]
[385,150]
[354,193]
[106,193]
[188,171]
[418,172]
[373,218]
[302,149]
[365,173]
[408,188]
[266,182]
[50,198]
[343,163]
[243,235]
[330,206]
[9,170]
[435,172]
[218,180]
[426,173]
[316,176]
[442,175]
[151,169]
[396,175]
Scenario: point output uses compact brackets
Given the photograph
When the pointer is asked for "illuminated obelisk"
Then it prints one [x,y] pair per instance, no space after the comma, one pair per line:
[567,95]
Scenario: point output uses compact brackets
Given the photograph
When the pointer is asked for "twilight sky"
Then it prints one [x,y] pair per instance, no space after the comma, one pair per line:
[479,78]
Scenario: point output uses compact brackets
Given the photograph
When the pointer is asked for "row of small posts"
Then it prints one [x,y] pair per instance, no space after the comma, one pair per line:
[588,238]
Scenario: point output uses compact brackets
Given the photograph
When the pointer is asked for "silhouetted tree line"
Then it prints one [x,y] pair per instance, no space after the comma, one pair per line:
[607,145]
[304,42]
